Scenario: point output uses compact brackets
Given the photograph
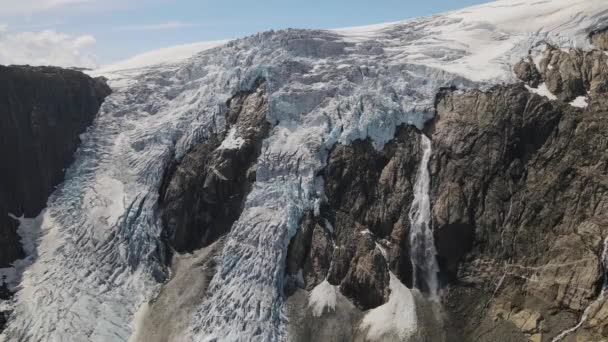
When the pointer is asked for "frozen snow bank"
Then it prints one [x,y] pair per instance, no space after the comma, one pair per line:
[322,297]
[397,316]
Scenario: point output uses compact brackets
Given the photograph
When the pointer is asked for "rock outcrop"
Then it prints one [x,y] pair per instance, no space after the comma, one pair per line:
[357,238]
[520,214]
[203,194]
[42,112]
[362,231]
[599,38]
[521,204]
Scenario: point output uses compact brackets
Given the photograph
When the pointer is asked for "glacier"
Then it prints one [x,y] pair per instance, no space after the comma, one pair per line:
[100,255]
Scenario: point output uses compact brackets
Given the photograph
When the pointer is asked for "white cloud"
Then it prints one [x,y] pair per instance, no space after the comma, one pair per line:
[170,25]
[45,48]
[30,6]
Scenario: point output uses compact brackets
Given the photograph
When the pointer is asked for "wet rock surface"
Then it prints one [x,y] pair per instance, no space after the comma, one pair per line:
[203,194]
[521,204]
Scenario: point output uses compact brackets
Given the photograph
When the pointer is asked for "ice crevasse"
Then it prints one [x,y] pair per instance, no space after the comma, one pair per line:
[100,253]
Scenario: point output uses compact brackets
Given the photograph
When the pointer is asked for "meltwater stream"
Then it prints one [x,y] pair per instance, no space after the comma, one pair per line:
[422,243]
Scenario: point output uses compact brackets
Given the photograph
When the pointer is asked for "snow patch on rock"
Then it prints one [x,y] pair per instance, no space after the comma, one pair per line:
[322,298]
[232,142]
[395,317]
[542,90]
[579,102]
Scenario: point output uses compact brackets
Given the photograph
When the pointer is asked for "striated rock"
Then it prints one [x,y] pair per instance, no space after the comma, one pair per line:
[480,141]
[568,74]
[203,194]
[42,112]
[522,182]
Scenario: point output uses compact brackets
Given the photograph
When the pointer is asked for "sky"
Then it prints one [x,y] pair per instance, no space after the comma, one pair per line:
[93,33]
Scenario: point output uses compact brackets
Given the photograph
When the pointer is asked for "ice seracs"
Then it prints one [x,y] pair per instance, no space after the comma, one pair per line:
[102,254]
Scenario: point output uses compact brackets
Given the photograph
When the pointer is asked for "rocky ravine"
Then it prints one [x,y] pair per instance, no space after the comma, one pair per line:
[42,112]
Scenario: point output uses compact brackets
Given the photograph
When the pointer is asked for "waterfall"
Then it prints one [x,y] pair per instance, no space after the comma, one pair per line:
[422,244]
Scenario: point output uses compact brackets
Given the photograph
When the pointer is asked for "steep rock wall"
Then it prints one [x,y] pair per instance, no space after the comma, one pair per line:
[42,112]
[521,203]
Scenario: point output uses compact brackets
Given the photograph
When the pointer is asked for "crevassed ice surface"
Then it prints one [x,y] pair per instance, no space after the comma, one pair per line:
[100,255]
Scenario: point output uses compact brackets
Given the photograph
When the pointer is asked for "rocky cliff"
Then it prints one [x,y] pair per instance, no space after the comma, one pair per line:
[519,208]
[387,183]
[521,202]
[42,112]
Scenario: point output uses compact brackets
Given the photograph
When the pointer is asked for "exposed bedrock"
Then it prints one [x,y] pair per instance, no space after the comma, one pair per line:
[599,39]
[520,204]
[520,213]
[347,250]
[368,197]
[203,194]
[42,112]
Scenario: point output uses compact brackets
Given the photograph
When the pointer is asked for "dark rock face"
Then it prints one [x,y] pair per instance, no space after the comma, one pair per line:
[481,140]
[600,39]
[369,193]
[203,195]
[42,112]
[526,71]
[520,204]
[569,74]
[520,209]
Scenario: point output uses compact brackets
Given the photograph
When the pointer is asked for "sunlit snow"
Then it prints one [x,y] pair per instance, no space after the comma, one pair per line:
[542,90]
[397,316]
[101,252]
[322,298]
[579,102]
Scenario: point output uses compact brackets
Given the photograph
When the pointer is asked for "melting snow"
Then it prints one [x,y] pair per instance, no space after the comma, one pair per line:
[397,316]
[232,142]
[322,297]
[579,102]
[542,90]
